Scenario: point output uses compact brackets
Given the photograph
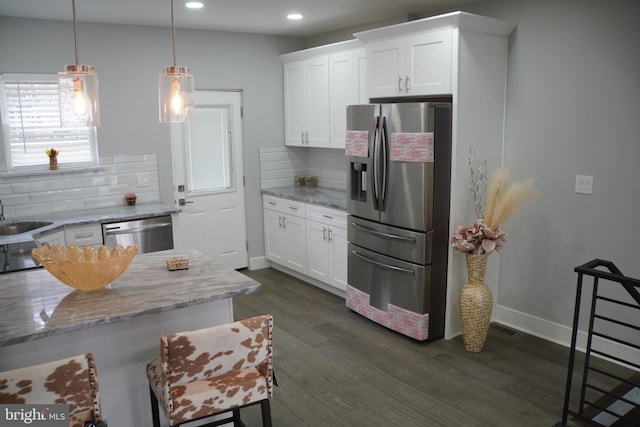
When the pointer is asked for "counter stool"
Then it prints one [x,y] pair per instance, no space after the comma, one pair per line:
[72,381]
[213,370]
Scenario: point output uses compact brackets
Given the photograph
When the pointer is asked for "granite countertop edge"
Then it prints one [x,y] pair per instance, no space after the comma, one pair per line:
[122,317]
[328,197]
[87,217]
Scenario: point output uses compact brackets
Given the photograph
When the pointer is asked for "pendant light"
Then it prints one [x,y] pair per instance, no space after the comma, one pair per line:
[78,90]
[175,90]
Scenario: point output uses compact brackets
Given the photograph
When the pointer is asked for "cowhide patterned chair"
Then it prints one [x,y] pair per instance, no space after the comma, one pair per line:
[212,371]
[72,381]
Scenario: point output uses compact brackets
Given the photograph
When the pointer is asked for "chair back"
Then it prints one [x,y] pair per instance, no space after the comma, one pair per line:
[196,355]
[72,381]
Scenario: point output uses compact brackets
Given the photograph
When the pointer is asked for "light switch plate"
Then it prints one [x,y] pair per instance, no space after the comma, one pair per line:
[584,184]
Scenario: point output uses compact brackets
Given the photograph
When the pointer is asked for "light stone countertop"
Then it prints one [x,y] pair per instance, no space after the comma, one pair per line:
[86,217]
[34,304]
[336,199]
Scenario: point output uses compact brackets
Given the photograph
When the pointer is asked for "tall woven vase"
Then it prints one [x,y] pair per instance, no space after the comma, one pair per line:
[476,304]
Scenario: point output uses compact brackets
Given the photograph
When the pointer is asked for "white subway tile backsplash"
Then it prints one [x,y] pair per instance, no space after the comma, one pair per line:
[25,196]
[279,166]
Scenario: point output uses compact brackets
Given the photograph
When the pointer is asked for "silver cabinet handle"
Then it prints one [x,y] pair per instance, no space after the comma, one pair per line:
[385,266]
[307,137]
[399,84]
[302,138]
[183,202]
[112,231]
[280,221]
[406,84]
[293,208]
[327,216]
[330,234]
[284,222]
[272,203]
[324,234]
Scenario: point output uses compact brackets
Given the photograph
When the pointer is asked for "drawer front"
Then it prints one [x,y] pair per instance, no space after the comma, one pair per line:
[89,235]
[286,206]
[334,217]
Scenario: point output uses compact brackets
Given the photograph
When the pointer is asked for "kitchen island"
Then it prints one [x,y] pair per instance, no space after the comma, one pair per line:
[41,320]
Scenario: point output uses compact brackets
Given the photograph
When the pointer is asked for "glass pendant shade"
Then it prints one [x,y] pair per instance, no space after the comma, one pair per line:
[78,93]
[175,95]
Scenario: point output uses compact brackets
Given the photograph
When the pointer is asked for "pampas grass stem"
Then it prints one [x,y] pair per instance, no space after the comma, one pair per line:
[503,197]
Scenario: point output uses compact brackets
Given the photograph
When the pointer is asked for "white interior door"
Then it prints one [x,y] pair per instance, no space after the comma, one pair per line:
[208,179]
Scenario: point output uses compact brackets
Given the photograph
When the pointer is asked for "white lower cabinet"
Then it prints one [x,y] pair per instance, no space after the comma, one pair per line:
[313,241]
[84,235]
[50,239]
[327,245]
[284,233]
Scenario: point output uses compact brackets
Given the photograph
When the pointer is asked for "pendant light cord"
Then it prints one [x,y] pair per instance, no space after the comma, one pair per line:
[75,31]
[173,37]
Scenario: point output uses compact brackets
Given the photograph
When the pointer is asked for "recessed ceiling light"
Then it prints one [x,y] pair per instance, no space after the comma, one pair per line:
[194,5]
[294,16]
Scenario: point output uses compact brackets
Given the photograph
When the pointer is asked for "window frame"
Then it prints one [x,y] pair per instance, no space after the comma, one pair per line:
[81,142]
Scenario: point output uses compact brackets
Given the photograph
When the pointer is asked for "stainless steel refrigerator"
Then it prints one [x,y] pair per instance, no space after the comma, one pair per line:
[399,166]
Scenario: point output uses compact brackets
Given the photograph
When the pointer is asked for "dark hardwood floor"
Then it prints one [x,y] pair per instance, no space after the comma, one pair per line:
[336,368]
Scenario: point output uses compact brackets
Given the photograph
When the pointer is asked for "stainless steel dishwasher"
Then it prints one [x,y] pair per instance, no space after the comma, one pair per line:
[150,234]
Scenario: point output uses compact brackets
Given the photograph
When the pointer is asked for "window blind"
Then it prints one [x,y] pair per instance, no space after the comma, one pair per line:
[31,122]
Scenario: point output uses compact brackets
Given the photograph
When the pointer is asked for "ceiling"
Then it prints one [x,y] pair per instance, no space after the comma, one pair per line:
[251,16]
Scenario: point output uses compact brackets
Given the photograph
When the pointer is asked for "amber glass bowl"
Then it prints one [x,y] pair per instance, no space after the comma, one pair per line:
[85,268]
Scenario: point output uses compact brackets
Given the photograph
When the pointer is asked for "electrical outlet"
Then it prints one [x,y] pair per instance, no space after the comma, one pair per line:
[584,184]
[143,179]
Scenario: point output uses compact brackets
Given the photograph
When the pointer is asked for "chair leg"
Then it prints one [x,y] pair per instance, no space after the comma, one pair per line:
[236,418]
[154,408]
[266,413]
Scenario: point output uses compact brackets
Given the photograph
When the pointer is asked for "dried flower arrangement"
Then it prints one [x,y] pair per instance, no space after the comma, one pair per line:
[502,198]
[52,153]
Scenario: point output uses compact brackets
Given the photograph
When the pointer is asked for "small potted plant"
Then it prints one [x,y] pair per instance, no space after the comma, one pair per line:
[131,199]
[52,153]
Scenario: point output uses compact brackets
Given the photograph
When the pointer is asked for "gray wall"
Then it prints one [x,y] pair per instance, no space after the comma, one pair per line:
[573,107]
[128,60]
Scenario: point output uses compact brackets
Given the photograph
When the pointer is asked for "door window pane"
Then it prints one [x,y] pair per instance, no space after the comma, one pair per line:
[209,162]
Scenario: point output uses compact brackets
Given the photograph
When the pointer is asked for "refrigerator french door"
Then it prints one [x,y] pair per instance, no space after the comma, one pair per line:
[399,163]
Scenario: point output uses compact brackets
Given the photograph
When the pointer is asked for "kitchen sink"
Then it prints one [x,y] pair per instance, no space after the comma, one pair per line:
[12,228]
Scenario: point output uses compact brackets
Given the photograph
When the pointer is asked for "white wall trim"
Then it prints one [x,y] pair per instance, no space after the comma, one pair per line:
[560,334]
[258,263]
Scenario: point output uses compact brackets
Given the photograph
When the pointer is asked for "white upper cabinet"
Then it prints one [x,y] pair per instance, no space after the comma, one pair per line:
[319,83]
[306,94]
[347,86]
[407,66]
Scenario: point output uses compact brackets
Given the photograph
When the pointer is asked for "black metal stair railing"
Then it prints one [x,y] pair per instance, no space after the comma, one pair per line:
[609,393]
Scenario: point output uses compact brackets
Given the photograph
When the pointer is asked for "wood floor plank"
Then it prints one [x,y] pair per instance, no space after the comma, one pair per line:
[336,368]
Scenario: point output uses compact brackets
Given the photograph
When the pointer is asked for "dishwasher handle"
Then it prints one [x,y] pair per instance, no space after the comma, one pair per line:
[112,231]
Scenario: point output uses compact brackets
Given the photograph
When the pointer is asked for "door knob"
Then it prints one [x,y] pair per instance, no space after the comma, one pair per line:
[183,202]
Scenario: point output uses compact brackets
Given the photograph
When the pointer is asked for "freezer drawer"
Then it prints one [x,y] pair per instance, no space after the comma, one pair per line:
[389,281]
[403,244]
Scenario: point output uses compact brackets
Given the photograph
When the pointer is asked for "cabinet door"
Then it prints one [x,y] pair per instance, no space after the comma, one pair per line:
[343,92]
[294,228]
[318,262]
[274,237]
[55,238]
[384,67]
[361,76]
[295,103]
[338,253]
[428,64]
[317,109]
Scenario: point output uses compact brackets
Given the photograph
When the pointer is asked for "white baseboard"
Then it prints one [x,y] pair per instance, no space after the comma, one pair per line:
[258,263]
[561,334]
